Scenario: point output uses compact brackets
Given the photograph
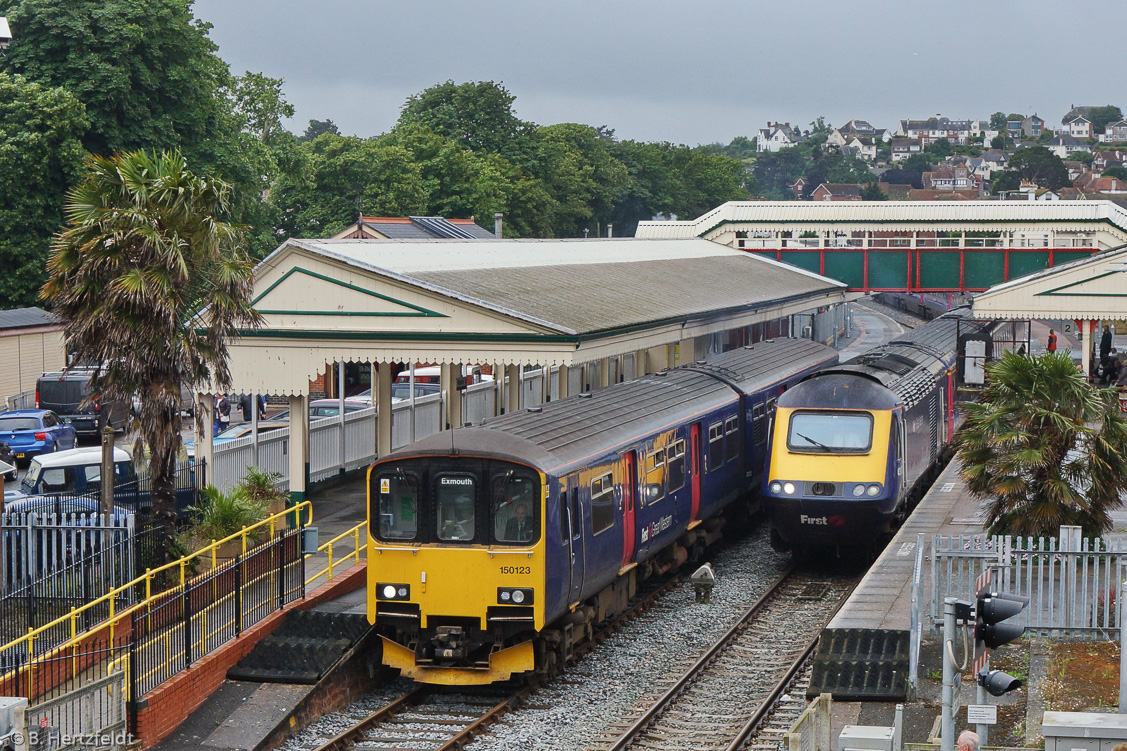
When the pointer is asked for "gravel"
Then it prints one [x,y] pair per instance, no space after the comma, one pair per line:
[333,724]
[617,678]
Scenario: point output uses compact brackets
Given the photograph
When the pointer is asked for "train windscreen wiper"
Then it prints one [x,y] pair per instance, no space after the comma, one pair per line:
[810,440]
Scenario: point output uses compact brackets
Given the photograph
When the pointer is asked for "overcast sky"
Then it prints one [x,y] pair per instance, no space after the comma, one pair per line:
[687,72]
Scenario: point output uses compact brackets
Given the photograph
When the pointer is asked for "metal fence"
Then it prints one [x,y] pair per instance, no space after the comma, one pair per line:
[70,720]
[170,632]
[26,400]
[1071,581]
[55,564]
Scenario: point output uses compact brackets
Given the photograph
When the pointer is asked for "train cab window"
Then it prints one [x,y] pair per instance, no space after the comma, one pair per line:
[515,508]
[397,507]
[769,406]
[758,423]
[454,507]
[602,503]
[830,432]
[715,446]
[655,477]
[731,439]
[675,466]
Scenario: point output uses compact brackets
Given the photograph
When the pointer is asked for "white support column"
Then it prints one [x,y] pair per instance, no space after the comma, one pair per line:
[449,378]
[512,392]
[641,363]
[604,372]
[299,446]
[205,427]
[381,393]
[561,382]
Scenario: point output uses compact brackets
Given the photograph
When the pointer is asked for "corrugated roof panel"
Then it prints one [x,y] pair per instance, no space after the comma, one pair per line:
[20,318]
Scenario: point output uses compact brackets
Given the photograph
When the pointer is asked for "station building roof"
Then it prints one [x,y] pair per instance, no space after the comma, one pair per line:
[898,215]
[1089,289]
[502,301]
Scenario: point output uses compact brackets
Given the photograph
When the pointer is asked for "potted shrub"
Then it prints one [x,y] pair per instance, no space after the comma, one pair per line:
[222,514]
[263,487]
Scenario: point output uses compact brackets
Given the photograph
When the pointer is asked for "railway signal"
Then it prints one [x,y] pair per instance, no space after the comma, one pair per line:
[992,629]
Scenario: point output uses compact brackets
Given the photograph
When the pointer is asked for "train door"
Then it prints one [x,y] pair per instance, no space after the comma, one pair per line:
[629,491]
[695,467]
[575,527]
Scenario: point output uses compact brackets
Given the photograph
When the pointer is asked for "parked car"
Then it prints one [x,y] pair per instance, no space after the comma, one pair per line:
[31,432]
[64,394]
[433,374]
[8,457]
[78,472]
[324,408]
[400,392]
[61,505]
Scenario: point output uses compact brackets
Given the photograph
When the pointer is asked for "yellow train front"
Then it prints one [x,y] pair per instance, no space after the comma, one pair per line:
[856,446]
[448,617]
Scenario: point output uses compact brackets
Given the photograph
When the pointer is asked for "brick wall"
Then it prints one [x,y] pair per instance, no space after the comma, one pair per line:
[163,709]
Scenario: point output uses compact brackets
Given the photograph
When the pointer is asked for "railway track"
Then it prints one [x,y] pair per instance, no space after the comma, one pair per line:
[728,694]
[444,718]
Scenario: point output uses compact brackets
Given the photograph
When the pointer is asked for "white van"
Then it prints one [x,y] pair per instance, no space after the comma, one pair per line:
[433,374]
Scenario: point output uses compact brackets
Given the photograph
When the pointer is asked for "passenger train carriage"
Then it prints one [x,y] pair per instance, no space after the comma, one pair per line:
[854,448]
[495,549]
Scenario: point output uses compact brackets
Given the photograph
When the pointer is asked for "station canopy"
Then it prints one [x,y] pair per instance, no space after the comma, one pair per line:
[1091,289]
[506,302]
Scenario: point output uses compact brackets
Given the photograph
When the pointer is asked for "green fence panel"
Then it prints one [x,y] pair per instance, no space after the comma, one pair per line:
[888,269]
[1064,256]
[1024,262]
[847,267]
[984,269]
[804,259]
[939,270]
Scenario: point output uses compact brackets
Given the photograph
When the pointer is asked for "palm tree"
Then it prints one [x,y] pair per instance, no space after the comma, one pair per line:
[150,284]
[1044,448]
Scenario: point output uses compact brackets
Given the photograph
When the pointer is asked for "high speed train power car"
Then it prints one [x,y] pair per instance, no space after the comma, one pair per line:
[854,448]
[494,550]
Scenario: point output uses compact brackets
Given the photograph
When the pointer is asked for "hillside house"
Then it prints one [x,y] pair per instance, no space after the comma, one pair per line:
[1079,127]
[777,136]
[1114,132]
[836,192]
[935,128]
[1062,146]
[903,148]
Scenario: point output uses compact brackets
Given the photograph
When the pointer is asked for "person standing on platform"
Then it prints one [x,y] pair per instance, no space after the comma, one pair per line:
[222,413]
[1051,346]
[1105,354]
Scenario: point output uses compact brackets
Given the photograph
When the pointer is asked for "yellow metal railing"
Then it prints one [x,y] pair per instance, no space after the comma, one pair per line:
[327,548]
[113,618]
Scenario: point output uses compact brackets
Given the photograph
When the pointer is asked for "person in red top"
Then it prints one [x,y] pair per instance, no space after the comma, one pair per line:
[1052,345]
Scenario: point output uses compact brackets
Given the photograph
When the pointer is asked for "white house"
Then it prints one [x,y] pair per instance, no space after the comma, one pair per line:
[777,136]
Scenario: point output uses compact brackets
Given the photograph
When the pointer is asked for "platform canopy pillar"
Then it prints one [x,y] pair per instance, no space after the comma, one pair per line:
[451,372]
[205,428]
[512,388]
[561,382]
[381,393]
[299,446]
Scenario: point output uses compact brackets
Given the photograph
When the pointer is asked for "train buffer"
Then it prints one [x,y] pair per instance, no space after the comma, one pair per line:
[704,578]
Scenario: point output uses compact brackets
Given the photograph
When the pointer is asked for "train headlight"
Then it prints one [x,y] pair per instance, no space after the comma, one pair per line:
[788,488]
[393,591]
[776,487]
[858,491]
[514,596]
[873,490]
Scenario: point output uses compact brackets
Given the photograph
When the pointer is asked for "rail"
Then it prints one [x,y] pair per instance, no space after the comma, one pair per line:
[327,548]
[25,645]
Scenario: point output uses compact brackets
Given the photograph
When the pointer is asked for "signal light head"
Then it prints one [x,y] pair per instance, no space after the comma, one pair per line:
[998,683]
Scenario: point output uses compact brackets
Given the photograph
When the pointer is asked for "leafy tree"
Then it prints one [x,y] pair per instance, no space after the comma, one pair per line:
[146,72]
[872,192]
[897,176]
[775,173]
[317,127]
[819,131]
[998,121]
[740,147]
[1081,156]
[258,100]
[40,157]
[917,163]
[151,284]
[1041,166]
[1001,141]
[940,149]
[1014,116]
[1044,448]
[1004,181]
[1117,172]
[478,115]
[580,174]
[1101,116]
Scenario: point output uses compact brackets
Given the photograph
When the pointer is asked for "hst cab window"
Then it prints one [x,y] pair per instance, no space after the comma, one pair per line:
[831,432]
[515,506]
[454,507]
[398,507]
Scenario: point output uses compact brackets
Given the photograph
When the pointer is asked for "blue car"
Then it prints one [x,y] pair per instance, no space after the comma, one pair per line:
[31,432]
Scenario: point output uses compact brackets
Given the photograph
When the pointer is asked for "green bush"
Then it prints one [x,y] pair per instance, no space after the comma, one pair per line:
[262,487]
[220,514]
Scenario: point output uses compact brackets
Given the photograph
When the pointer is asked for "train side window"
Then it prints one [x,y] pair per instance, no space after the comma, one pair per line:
[675,464]
[397,507]
[655,476]
[576,516]
[602,503]
[454,507]
[715,446]
[758,423]
[731,439]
